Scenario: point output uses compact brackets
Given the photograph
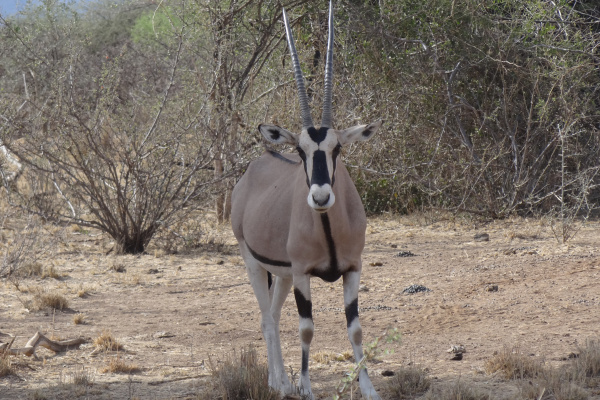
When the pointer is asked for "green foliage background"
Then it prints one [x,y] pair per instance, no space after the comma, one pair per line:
[489,107]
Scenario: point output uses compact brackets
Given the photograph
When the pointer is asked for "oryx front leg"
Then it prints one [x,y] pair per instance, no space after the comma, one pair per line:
[307,328]
[270,310]
[351,284]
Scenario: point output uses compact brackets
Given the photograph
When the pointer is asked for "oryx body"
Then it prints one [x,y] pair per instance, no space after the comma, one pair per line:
[300,216]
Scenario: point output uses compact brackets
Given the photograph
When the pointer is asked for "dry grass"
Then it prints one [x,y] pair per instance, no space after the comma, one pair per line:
[44,299]
[240,378]
[325,357]
[107,342]
[512,364]
[456,391]
[6,367]
[37,270]
[117,366]
[586,365]
[553,384]
[408,383]
[79,319]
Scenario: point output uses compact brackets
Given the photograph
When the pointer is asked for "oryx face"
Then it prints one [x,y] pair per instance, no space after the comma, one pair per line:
[319,149]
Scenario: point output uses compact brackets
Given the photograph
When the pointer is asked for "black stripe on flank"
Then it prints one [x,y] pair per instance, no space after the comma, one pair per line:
[282,157]
[304,306]
[266,260]
[351,312]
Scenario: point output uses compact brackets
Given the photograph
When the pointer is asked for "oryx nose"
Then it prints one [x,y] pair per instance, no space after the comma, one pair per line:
[321,201]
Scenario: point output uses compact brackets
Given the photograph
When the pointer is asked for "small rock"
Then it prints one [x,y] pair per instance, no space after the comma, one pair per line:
[387,372]
[457,348]
[415,289]
[394,246]
[491,288]
[481,237]
[376,264]
[163,335]
[405,253]
[457,357]
[153,271]
[363,288]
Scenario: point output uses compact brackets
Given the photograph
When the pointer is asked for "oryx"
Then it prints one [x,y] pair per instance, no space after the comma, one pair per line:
[299,216]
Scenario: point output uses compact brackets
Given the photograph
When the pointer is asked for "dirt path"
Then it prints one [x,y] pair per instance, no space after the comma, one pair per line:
[174,312]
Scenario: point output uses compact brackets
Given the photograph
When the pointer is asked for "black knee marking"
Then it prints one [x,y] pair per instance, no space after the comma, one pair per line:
[351,311]
[304,362]
[304,306]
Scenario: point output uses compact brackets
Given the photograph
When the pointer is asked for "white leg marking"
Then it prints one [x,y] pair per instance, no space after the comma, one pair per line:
[351,284]
[278,379]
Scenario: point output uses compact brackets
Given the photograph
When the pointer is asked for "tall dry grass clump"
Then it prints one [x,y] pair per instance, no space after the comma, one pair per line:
[107,342]
[512,364]
[241,377]
[117,365]
[586,364]
[5,365]
[407,383]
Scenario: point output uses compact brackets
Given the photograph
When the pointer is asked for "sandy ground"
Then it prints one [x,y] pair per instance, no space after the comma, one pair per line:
[174,312]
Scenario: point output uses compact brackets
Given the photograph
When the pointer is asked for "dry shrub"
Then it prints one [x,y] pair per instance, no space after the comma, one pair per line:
[409,382]
[117,366]
[512,364]
[241,378]
[107,342]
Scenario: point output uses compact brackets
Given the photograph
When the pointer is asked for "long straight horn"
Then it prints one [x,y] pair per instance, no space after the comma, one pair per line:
[302,97]
[327,96]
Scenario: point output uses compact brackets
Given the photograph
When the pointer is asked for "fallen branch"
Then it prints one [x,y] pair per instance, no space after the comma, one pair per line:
[40,340]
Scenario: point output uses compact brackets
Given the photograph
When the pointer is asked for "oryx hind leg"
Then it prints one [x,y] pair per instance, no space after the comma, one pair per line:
[351,286]
[269,301]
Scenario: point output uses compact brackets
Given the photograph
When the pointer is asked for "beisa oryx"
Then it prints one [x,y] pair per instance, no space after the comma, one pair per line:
[299,216]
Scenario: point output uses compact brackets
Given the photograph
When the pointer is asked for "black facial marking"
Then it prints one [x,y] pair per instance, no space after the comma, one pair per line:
[319,135]
[304,306]
[266,260]
[335,154]
[367,132]
[302,155]
[351,312]
[320,174]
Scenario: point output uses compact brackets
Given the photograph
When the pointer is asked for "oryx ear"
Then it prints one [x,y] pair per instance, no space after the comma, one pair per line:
[358,133]
[277,135]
